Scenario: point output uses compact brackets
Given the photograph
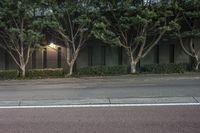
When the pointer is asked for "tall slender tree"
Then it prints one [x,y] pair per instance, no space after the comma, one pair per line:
[137,26]
[73,25]
[189,31]
[20,29]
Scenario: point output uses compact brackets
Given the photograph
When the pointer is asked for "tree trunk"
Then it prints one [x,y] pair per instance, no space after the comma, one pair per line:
[70,72]
[71,68]
[132,61]
[22,71]
[196,67]
[133,66]
[72,62]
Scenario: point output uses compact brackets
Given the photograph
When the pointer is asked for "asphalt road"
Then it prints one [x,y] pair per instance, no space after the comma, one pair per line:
[164,119]
[112,87]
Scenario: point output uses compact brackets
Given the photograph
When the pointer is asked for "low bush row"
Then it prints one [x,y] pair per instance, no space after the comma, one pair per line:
[34,73]
[96,71]
[59,73]
[8,74]
[165,68]
[45,73]
[102,70]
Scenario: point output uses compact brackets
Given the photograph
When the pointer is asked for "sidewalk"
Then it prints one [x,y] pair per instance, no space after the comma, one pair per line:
[163,100]
[127,89]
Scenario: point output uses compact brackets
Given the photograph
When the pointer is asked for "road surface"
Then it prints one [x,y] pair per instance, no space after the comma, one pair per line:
[154,119]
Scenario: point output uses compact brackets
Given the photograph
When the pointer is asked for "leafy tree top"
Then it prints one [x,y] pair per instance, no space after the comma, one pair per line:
[189,12]
[132,21]
[19,20]
[72,20]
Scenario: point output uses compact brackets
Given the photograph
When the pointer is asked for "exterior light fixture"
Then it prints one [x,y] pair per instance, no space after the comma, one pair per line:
[52,45]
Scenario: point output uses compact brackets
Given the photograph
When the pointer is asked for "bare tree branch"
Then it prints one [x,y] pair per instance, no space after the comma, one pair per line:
[153,44]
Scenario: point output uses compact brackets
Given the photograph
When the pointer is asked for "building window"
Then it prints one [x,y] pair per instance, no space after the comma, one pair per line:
[45,58]
[120,55]
[157,54]
[171,53]
[103,55]
[59,57]
[90,53]
[34,60]
[6,60]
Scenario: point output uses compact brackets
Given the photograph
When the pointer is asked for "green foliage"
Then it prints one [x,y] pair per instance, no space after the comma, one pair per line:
[21,29]
[102,70]
[195,33]
[73,23]
[107,36]
[71,17]
[33,74]
[129,25]
[165,68]
[135,26]
[139,39]
[45,73]
[19,19]
[174,25]
[8,74]
[189,14]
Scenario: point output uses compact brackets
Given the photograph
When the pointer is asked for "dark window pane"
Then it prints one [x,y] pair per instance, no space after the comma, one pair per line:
[45,58]
[6,60]
[120,55]
[171,53]
[34,60]
[103,55]
[59,57]
[157,54]
[90,53]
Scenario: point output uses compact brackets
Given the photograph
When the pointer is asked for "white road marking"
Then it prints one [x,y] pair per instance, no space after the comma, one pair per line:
[100,105]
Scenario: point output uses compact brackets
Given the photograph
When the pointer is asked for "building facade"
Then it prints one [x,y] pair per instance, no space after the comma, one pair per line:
[96,53]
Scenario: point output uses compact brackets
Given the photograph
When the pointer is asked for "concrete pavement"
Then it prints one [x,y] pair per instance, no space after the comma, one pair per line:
[107,101]
[102,90]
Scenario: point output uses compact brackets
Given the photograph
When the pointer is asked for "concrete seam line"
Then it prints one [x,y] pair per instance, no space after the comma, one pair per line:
[109,100]
[20,103]
[101,105]
[195,99]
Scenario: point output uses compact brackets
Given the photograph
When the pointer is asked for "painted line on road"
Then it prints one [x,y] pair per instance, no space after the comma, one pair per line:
[100,105]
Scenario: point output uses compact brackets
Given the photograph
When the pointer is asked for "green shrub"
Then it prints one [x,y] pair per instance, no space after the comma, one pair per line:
[8,74]
[45,73]
[165,68]
[102,70]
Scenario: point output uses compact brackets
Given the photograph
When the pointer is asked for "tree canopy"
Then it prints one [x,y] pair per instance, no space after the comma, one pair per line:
[20,29]
[73,23]
[137,27]
[189,28]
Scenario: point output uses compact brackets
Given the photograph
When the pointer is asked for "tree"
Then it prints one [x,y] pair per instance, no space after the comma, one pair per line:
[189,19]
[137,26]
[20,30]
[73,25]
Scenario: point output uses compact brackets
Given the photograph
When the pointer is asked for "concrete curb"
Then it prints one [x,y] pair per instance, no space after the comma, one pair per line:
[105,101]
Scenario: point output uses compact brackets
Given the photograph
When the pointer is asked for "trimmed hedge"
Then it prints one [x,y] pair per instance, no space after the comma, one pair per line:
[165,68]
[95,71]
[45,73]
[8,74]
[102,70]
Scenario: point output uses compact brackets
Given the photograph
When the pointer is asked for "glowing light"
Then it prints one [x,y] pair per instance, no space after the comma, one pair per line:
[52,45]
